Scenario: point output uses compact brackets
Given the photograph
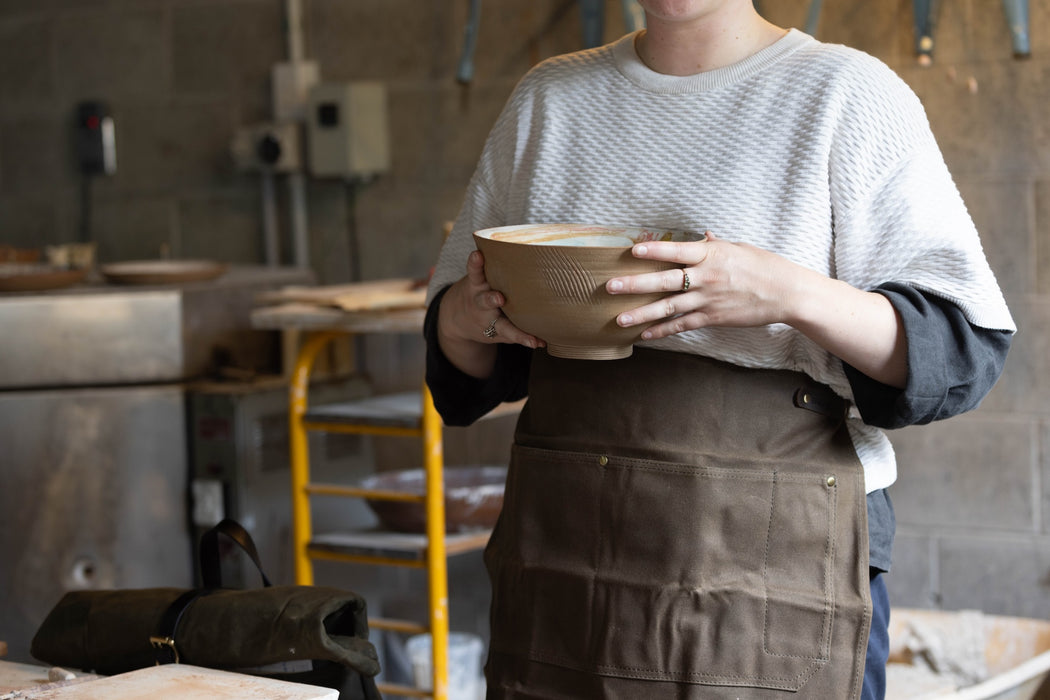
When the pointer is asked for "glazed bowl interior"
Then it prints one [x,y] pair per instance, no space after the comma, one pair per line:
[553,278]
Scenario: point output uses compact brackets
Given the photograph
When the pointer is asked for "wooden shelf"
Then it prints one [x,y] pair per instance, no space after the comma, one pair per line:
[368,545]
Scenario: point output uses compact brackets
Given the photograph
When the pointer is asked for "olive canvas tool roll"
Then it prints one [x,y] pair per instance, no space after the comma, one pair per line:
[309,634]
[110,631]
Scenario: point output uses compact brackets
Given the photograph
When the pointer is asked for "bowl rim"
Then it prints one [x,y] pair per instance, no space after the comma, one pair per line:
[491,233]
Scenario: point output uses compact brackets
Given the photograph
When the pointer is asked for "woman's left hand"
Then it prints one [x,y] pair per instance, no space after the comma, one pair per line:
[721,284]
[739,285]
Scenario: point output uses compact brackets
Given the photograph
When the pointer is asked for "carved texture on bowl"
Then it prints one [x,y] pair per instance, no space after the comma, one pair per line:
[566,278]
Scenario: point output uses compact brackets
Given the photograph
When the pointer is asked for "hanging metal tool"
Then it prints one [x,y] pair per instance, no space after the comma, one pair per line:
[592,20]
[813,17]
[924,12]
[1017,19]
[633,15]
[465,71]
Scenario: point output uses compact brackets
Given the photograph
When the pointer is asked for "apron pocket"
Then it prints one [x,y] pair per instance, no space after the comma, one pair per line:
[645,569]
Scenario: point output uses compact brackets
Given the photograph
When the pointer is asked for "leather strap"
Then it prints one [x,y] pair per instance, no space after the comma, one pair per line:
[820,399]
[165,650]
[163,642]
[211,568]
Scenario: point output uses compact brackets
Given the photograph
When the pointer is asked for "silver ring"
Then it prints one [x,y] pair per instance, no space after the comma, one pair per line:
[685,280]
[490,332]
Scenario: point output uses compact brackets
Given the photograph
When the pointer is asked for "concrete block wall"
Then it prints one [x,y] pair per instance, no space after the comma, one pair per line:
[182,75]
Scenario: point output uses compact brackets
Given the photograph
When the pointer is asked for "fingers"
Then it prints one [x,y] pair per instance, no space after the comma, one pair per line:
[669,307]
[674,280]
[690,255]
[485,298]
[486,314]
[501,330]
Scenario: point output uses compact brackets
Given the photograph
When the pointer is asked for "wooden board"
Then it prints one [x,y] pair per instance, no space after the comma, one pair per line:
[400,293]
[183,682]
[304,316]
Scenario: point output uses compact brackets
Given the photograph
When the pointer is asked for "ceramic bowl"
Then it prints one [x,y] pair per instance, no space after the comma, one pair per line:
[473,498]
[553,278]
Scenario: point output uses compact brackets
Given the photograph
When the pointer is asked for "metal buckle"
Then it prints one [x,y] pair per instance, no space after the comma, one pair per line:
[162,643]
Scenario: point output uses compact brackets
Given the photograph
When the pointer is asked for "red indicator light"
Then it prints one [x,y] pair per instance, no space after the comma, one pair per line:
[92,122]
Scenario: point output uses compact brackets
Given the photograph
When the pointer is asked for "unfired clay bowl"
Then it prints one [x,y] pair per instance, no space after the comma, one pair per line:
[473,498]
[553,278]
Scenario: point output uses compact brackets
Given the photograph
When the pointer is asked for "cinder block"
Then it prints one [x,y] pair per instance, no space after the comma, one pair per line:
[1041,233]
[186,143]
[967,472]
[873,27]
[133,228]
[226,48]
[224,228]
[419,125]
[911,581]
[25,60]
[510,41]
[36,157]
[383,222]
[394,40]
[329,230]
[27,221]
[1044,471]
[1001,210]
[997,575]
[1024,387]
[994,129]
[111,54]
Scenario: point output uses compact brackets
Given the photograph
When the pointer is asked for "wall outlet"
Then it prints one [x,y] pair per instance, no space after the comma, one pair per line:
[274,147]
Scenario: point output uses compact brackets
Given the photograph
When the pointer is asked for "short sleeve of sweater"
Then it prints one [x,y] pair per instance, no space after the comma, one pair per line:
[898,214]
[461,399]
[952,364]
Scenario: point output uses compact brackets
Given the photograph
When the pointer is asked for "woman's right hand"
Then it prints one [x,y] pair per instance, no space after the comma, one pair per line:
[471,322]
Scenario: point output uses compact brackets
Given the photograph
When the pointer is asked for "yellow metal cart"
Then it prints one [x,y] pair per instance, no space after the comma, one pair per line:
[409,415]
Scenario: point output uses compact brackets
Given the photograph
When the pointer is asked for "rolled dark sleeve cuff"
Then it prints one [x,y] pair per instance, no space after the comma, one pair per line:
[952,364]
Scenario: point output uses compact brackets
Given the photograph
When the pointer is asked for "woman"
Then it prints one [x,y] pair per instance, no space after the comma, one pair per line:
[708,518]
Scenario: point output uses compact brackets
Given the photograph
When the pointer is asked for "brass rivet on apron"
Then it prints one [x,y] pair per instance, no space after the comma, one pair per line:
[603,460]
[831,481]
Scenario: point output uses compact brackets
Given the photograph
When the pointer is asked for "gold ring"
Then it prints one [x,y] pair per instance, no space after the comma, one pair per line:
[685,280]
[490,332]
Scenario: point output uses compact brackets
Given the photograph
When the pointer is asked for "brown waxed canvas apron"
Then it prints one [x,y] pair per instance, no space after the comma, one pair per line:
[678,527]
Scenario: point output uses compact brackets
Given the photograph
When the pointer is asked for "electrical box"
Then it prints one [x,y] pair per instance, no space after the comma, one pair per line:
[272,147]
[291,89]
[347,130]
[96,141]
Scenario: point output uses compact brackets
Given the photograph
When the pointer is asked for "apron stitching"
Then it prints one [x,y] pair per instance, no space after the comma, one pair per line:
[783,682]
[638,463]
[773,682]
[862,639]
[819,661]
[591,651]
[829,566]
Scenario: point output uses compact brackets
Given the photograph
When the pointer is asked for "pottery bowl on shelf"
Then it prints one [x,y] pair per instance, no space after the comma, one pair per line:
[473,498]
[553,278]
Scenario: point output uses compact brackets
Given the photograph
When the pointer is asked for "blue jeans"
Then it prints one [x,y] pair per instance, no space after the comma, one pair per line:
[878,642]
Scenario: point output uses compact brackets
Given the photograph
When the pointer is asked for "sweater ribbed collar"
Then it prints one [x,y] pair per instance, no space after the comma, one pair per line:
[634,69]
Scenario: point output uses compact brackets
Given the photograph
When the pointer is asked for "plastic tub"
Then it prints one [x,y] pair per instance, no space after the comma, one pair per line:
[464,664]
[1013,654]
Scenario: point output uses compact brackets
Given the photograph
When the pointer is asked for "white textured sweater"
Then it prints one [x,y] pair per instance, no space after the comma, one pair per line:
[817,152]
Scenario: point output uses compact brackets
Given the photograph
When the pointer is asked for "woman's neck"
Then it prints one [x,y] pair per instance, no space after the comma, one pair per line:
[715,40]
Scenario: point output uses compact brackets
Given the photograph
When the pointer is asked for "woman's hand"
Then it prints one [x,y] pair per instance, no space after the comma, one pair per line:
[720,284]
[739,285]
[470,322]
